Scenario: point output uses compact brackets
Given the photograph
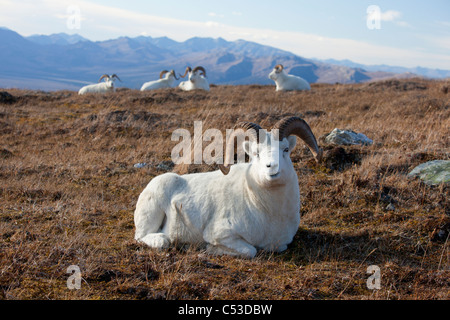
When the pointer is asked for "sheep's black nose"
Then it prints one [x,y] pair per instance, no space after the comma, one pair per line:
[268,165]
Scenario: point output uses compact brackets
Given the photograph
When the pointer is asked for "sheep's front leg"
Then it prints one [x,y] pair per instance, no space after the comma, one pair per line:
[234,247]
[156,240]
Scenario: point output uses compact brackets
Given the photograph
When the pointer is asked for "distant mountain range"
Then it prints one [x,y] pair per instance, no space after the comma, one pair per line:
[62,61]
[424,72]
[57,38]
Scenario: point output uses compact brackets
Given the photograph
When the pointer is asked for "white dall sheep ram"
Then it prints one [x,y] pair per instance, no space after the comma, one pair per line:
[237,209]
[106,86]
[166,80]
[197,79]
[287,82]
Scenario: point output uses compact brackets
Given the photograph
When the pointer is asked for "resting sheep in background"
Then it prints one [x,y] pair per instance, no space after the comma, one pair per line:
[287,82]
[197,79]
[237,209]
[166,80]
[106,86]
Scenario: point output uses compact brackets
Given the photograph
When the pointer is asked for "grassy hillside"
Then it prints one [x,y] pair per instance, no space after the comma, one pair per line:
[68,189]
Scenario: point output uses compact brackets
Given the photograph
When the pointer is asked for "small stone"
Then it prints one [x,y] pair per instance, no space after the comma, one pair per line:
[347,137]
[432,172]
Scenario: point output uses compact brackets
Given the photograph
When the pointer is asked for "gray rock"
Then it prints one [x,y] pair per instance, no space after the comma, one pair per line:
[432,172]
[140,165]
[347,137]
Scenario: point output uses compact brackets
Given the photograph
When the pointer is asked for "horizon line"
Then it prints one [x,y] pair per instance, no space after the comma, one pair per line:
[229,41]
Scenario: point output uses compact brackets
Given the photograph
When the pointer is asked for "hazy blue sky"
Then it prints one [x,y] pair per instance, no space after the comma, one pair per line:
[409,33]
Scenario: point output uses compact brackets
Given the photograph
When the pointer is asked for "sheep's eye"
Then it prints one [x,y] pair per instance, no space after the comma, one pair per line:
[286,150]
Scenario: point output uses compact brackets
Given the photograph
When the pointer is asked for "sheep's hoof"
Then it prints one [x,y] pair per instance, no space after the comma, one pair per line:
[156,240]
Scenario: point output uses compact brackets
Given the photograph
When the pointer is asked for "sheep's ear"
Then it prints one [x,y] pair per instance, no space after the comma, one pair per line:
[292,142]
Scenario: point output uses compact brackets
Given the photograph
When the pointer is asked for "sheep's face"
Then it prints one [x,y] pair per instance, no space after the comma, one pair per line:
[194,76]
[110,83]
[271,158]
[275,74]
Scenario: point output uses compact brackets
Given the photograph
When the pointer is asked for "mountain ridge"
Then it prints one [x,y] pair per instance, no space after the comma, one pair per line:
[421,71]
[73,60]
[56,38]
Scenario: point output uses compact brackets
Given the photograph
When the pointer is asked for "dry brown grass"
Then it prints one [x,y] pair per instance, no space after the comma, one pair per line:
[68,191]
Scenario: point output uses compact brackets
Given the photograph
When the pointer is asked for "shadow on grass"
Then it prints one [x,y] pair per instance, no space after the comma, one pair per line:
[312,246]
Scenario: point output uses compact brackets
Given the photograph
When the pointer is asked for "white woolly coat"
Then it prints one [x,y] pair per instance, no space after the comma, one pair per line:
[288,82]
[97,88]
[231,213]
[163,83]
[195,82]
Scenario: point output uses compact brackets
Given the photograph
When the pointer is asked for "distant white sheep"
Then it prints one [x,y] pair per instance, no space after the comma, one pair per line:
[106,86]
[237,209]
[197,79]
[287,82]
[166,80]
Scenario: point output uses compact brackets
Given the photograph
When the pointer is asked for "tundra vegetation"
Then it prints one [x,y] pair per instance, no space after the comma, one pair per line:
[69,187]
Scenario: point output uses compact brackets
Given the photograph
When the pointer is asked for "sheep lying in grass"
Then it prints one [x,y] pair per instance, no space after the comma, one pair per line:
[166,80]
[237,209]
[106,86]
[197,79]
[287,82]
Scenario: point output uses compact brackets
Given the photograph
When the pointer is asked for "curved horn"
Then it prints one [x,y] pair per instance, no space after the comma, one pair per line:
[297,126]
[201,69]
[173,73]
[103,76]
[279,67]
[188,69]
[252,128]
[115,76]
[162,73]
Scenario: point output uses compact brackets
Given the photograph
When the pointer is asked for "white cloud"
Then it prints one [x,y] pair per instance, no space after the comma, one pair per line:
[390,15]
[375,13]
[394,16]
